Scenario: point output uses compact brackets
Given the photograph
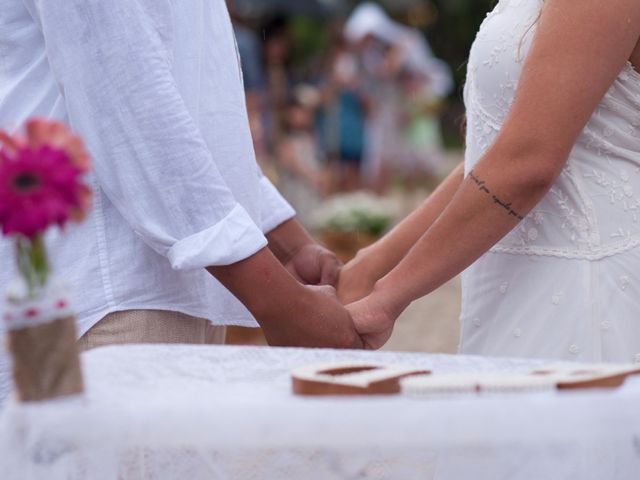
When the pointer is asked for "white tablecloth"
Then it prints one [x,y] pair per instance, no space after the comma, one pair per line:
[174,412]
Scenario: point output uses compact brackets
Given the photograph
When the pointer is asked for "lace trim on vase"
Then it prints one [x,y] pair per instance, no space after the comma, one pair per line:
[22,312]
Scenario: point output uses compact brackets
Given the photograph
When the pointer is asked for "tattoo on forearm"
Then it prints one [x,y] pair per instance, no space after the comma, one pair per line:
[480,183]
[482,186]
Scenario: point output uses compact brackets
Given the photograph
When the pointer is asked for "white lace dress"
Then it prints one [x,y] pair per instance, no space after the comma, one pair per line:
[565,283]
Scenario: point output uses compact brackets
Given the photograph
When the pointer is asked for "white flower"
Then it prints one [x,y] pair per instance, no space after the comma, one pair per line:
[355,212]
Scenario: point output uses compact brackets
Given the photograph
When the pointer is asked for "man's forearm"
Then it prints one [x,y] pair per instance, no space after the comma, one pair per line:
[287,239]
[290,313]
[252,279]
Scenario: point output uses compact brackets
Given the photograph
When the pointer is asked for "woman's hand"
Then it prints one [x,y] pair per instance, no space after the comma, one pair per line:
[374,318]
[357,278]
[372,322]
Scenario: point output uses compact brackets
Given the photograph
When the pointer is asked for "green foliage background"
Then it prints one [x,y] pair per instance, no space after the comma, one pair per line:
[453,30]
[451,34]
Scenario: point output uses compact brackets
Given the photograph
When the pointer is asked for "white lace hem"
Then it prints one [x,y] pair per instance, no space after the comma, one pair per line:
[559,252]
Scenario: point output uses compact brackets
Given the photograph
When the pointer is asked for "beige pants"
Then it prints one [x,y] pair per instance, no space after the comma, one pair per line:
[151,326]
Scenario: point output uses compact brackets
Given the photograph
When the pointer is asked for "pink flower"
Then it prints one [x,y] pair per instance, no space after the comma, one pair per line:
[56,135]
[41,179]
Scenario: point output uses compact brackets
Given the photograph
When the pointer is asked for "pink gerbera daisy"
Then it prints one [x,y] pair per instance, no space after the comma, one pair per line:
[41,179]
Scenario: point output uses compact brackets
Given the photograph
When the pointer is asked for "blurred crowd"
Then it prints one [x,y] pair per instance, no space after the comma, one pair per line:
[361,114]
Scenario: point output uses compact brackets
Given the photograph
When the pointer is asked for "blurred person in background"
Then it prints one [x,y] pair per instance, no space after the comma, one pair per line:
[421,157]
[278,54]
[255,84]
[304,178]
[381,68]
[344,114]
[401,75]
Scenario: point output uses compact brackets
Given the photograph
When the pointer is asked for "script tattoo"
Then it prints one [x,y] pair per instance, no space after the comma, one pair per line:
[482,186]
[480,183]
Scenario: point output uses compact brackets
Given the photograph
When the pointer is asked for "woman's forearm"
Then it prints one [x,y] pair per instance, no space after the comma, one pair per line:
[385,254]
[488,204]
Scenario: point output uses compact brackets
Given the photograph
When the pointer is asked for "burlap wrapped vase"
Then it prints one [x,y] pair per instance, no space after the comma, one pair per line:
[42,342]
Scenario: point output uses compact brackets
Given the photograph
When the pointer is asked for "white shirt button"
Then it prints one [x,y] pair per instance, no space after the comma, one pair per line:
[606,325]
[476,322]
[574,349]
[556,299]
[624,282]
[517,333]
[637,358]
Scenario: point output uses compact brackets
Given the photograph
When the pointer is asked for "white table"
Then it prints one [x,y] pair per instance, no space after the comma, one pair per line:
[179,412]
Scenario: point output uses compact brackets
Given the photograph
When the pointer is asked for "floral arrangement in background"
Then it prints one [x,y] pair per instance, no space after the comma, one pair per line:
[359,212]
[41,185]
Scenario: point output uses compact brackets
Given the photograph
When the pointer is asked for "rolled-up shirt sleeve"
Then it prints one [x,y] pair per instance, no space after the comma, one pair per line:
[275,210]
[149,156]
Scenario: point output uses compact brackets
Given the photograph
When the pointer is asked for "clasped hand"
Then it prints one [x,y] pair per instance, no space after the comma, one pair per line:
[313,266]
[370,312]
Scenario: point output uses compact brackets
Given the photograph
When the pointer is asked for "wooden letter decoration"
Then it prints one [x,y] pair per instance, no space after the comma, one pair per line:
[351,379]
[370,379]
[588,376]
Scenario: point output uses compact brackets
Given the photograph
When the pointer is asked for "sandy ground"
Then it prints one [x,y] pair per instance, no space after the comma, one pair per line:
[430,324]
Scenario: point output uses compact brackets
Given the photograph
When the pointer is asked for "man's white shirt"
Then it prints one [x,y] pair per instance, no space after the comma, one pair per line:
[154,88]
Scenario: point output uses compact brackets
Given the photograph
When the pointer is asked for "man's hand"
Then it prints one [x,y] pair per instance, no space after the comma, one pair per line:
[306,260]
[314,265]
[290,313]
[320,321]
